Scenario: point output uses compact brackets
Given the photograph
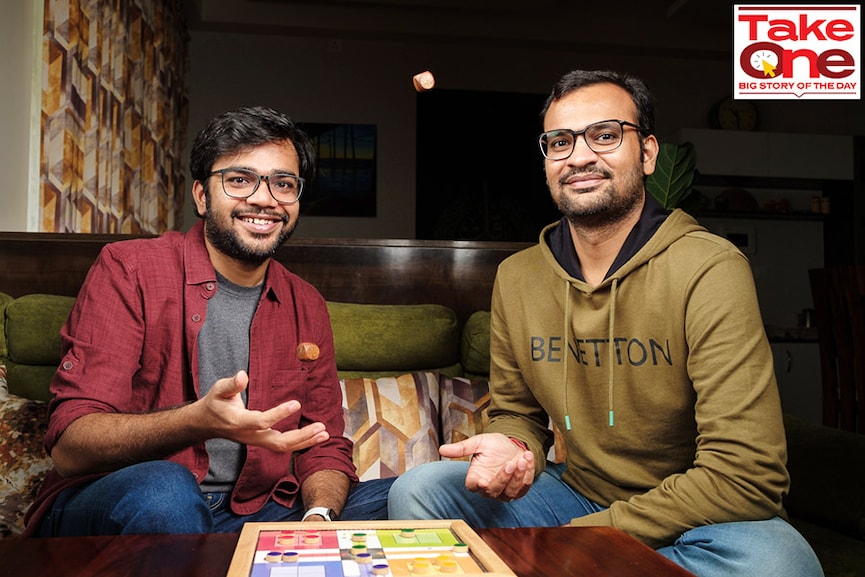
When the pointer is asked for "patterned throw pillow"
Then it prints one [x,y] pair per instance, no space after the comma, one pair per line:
[464,404]
[393,422]
[464,408]
[23,462]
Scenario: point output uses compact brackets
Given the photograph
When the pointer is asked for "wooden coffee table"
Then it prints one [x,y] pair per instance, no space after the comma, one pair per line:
[583,551]
[534,552]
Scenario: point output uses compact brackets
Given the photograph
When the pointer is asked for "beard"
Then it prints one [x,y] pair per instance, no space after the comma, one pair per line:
[603,206]
[227,241]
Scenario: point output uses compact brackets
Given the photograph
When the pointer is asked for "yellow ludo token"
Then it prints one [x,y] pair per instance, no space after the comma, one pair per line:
[449,566]
[422,566]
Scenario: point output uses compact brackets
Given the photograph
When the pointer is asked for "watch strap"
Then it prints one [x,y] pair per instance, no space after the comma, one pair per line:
[328,514]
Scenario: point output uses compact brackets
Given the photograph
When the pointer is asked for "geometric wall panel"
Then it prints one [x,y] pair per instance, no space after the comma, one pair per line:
[114,115]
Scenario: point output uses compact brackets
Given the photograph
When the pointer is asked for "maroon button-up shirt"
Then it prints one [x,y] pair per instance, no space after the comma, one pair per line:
[130,346]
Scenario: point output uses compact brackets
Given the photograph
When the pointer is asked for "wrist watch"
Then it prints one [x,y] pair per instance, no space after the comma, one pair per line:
[328,514]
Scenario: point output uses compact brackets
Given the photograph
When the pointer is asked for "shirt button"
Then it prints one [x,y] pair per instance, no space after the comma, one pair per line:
[67,365]
[209,286]
[196,318]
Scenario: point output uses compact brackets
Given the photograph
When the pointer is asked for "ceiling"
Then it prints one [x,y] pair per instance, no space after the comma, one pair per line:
[700,27]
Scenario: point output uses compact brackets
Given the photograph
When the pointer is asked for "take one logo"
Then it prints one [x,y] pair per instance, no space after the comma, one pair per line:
[796,52]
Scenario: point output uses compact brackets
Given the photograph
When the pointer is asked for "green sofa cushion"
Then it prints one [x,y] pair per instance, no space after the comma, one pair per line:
[371,340]
[4,301]
[32,342]
[371,337]
[30,381]
[33,325]
[475,345]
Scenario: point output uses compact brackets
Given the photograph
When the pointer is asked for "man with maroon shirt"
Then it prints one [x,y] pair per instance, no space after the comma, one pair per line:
[180,404]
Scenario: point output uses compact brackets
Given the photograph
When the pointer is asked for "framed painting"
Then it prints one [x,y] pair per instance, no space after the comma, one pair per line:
[345,184]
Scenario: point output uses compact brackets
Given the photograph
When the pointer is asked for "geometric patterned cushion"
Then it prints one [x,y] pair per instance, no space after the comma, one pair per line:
[464,408]
[393,422]
[23,462]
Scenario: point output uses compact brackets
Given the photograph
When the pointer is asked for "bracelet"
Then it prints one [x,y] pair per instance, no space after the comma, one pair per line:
[519,443]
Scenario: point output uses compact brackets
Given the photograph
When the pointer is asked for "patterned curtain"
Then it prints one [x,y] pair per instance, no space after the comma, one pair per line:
[114,112]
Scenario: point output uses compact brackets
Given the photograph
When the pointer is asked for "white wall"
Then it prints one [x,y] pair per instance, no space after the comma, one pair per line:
[17,29]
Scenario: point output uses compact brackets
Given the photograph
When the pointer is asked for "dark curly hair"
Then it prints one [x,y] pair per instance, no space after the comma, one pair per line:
[643,99]
[243,129]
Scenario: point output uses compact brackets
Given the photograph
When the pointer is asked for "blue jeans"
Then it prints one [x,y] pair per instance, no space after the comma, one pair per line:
[163,497]
[770,548]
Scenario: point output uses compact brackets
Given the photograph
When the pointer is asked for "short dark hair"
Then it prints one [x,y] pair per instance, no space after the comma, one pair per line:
[639,92]
[245,128]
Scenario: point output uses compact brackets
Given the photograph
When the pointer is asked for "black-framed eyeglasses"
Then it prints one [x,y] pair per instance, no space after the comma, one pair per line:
[600,137]
[284,187]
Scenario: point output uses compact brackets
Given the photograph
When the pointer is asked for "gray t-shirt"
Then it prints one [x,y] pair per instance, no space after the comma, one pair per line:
[223,349]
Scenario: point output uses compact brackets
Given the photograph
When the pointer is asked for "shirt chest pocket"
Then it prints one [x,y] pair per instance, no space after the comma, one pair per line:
[278,387]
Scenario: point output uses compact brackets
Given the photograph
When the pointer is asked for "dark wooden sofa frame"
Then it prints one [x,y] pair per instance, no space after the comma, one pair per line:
[457,274]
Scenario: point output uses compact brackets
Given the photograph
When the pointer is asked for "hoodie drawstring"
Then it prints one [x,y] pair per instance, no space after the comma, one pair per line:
[565,333]
[612,356]
[611,360]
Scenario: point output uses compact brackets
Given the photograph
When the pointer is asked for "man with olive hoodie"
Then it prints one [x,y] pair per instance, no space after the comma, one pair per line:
[639,335]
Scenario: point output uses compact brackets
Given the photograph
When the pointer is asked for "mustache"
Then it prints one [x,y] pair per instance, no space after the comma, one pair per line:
[272,214]
[585,172]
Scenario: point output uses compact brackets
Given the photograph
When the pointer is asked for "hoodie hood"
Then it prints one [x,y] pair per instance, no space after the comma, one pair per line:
[641,244]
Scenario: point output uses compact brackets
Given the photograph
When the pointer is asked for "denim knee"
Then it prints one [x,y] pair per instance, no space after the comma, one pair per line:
[164,498]
[367,501]
[147,498]
[419,492]
[772,548]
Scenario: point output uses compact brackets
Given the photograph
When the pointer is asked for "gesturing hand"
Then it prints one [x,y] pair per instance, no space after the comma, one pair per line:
[223,415]
[498,470]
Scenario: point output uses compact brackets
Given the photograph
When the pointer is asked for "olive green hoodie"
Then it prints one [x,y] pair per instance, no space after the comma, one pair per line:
[660,379]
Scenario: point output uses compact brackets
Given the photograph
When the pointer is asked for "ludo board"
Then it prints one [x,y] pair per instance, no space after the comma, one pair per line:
[363,549]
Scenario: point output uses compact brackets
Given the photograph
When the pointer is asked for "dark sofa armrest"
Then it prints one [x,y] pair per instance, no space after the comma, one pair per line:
[827,471]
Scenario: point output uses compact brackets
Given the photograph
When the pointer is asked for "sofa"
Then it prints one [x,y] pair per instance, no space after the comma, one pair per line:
[413,376]
[411,379]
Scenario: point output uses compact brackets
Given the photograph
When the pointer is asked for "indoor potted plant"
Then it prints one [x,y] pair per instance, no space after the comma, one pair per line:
[675,170]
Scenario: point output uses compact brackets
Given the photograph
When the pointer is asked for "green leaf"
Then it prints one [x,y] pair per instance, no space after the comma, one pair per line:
[674,174]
